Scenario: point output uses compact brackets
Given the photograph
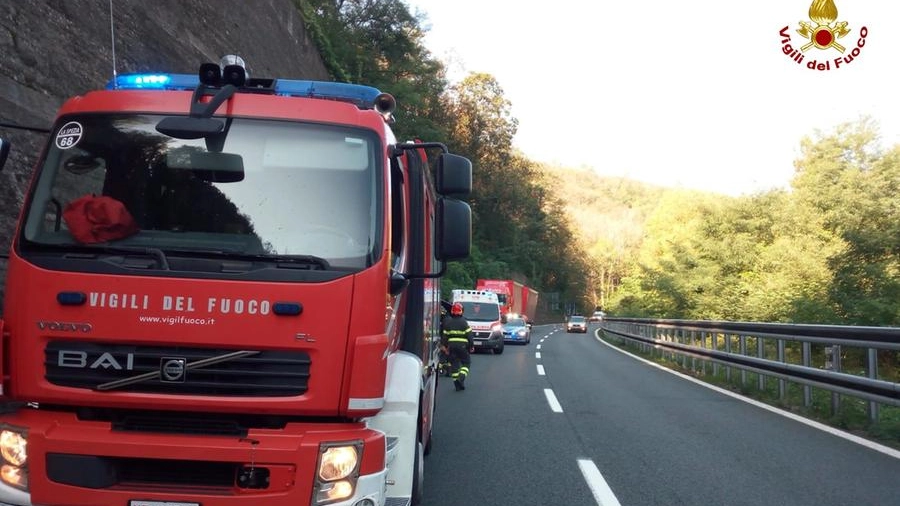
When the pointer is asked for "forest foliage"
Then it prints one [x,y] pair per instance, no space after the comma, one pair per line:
[826,250]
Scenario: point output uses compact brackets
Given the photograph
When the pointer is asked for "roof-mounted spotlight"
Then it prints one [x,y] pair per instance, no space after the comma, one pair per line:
[234,70]
[210,74]
[385,104]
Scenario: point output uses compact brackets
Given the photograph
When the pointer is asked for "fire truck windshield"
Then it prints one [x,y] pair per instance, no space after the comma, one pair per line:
[272,188]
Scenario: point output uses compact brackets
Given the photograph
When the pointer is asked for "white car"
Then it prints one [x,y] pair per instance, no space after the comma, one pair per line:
[577,323]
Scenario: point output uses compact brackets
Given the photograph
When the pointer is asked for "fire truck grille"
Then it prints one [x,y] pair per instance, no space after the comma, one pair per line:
[176,370]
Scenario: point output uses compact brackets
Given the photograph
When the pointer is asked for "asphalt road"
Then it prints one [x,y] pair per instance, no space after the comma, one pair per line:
[626,433]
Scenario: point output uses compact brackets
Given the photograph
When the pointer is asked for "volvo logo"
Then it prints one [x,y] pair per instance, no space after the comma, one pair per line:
[172,369]
[64,326]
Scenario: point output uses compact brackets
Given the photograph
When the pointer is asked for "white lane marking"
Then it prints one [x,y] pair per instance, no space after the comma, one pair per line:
[537,355]
[812,423]
[538,347]
[540,370]
[602,493]
[551,400]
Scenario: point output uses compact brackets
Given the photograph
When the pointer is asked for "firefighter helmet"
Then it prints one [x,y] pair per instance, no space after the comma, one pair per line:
[456,309]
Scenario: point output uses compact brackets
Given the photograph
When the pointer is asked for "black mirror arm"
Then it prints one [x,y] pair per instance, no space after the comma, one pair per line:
[400,148]
[427,276]
[206,110]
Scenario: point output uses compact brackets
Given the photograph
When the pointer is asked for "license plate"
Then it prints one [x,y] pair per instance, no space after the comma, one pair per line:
[478,343]
[161,503]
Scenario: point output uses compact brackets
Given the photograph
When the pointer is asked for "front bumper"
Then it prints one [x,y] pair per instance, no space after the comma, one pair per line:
[487,341]
[514,337]
[73,462]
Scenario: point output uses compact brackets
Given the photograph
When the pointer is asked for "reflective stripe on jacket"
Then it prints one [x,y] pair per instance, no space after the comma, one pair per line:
[456,330]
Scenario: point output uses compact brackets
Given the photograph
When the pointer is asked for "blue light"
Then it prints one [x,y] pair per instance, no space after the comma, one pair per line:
[355,93]
[153,82]
[362,96]
[287,308]
[71,298]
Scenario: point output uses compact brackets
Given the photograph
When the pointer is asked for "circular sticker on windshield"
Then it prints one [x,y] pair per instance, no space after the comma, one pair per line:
[69,135]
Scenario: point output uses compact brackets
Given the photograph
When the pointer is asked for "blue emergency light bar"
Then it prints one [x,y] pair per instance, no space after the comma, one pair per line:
[362,96]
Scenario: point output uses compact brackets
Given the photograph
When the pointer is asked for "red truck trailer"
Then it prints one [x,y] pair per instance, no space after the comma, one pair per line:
[514,297]
[225,290]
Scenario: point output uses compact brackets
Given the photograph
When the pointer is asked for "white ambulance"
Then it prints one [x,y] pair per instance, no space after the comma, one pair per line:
[481,309]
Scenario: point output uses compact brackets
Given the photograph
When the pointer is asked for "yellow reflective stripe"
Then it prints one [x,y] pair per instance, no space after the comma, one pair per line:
[455,332]
[457,340]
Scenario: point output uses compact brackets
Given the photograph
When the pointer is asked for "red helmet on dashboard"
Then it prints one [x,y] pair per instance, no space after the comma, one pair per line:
[456,309]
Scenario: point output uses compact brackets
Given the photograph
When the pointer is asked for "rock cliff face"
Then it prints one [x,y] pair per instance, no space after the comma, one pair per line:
[53,49]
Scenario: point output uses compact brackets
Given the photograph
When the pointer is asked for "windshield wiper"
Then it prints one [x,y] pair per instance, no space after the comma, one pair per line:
[300,261]
[155,253]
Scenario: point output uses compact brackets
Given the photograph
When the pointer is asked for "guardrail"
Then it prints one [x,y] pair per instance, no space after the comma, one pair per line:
[841,359]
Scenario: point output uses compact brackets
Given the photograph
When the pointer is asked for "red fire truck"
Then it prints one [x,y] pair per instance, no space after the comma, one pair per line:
[225,290]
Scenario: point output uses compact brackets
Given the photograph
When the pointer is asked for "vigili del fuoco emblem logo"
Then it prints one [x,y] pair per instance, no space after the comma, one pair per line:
[822,36]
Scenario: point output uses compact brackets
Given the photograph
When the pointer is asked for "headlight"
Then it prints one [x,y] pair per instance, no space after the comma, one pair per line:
[521,333]
[337,462]
[337,473]
[497,328]
[13,447]
[15,476]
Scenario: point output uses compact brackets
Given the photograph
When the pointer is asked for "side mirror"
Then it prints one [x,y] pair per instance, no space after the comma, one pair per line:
[453,175]
[4,152]
[454,229]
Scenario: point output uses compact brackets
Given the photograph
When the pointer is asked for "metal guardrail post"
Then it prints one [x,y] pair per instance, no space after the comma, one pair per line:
[836,367]
[693,344]
[703,336]
[743,341]
[714,344]
[727,350]
[807,362]
[760,353]
[781,358]
[872,373]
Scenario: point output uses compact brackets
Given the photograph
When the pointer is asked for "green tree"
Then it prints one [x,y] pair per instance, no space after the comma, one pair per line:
[847,178]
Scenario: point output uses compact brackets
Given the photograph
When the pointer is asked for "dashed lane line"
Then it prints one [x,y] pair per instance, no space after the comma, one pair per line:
[551,400]
[602,493]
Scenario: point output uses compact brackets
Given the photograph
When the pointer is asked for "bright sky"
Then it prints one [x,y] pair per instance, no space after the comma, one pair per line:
[690,93]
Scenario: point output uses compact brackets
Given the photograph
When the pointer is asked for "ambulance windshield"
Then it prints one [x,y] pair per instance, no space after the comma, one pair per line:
[481,311]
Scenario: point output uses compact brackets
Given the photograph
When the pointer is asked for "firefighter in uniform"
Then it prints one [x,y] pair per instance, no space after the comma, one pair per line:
[456,337]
